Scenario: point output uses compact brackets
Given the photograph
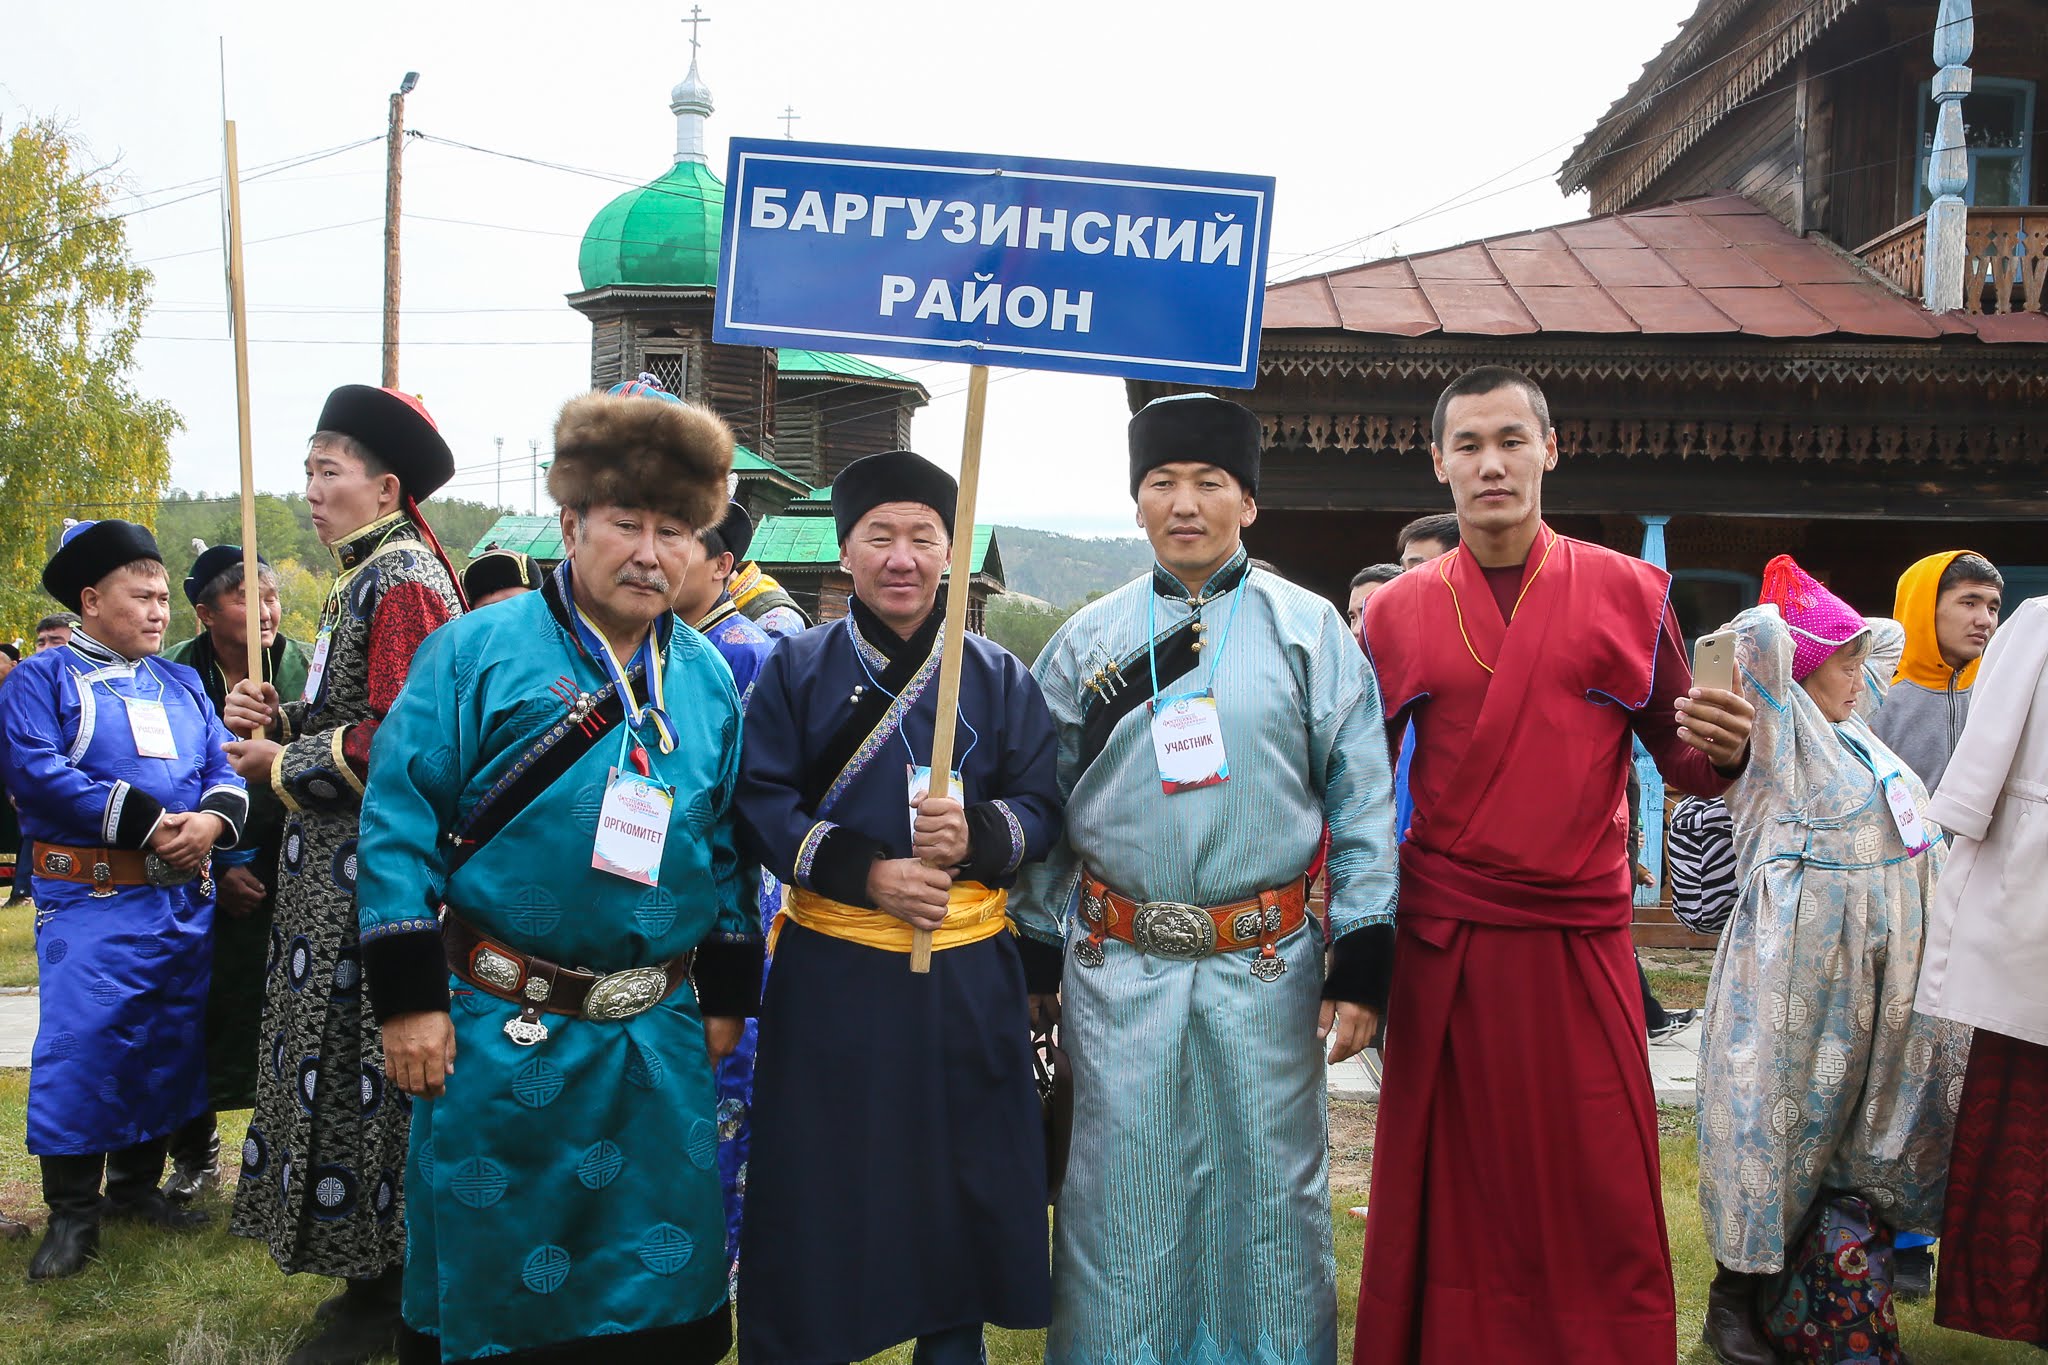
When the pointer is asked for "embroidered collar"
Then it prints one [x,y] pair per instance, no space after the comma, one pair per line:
[364,542]
[1222,581]
[561,598]
[720,609]
[97,654]
[877,640]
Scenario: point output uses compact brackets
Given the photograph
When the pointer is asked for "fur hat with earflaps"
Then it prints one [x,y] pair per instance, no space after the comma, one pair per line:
[652,452]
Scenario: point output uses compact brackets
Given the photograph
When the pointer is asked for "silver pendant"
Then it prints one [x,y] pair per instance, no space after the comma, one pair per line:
[1269,968]
[526,1029]
[1088,953]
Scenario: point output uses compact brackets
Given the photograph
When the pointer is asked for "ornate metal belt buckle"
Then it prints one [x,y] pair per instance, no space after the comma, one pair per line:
[1245,926]
[1173,929]
[58,864]
[525,1028]
[494,969]
[622,995]
[159,873]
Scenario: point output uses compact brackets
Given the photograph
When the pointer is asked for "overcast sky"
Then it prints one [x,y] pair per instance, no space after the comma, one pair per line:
[1370,114]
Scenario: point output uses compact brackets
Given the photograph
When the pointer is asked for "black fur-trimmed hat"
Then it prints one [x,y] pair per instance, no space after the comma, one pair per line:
[734,533]
[396,428]
[892,476]
[651,453]
[496,570]
[213,561]
[1196,428]
[89,551]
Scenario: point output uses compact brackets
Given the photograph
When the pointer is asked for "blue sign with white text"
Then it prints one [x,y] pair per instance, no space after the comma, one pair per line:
[1053,265]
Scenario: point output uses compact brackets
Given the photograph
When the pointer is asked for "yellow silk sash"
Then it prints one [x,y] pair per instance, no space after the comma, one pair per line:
[973,913]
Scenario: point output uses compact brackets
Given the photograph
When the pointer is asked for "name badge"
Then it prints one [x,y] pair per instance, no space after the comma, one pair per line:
[632,828]
[921,784]
[323,642]
[1187,741]
[1906,815]
[151,725]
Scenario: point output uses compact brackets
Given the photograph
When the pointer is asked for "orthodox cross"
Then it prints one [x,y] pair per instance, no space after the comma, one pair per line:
[696,18]
[789,116]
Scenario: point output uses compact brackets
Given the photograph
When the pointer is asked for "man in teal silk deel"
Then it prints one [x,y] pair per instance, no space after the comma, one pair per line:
[556,780]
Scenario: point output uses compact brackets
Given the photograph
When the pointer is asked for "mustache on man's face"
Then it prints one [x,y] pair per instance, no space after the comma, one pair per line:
[633,578]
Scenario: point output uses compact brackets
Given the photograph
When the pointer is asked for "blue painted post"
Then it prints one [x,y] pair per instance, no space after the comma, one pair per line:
[1948,164]
[1651,813]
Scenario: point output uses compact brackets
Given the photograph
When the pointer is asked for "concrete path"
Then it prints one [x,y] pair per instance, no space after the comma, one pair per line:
[17,1028]
[1674,1064]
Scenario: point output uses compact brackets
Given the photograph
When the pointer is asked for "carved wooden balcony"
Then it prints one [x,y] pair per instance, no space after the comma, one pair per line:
[2005,270]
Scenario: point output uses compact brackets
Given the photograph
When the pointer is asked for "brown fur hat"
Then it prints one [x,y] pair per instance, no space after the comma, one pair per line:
[651,453]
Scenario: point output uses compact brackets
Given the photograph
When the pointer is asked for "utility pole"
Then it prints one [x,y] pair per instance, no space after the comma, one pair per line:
[500,464]
[393,156]
[533,503]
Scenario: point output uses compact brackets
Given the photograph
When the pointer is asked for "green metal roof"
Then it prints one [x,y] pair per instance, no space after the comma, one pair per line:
[664,233]
[539,536]
[798,362]
[815,541]
[745,461]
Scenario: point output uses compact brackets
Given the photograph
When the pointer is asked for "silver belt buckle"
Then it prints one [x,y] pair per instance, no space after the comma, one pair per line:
[1174,929]
[157,872]
[621,995]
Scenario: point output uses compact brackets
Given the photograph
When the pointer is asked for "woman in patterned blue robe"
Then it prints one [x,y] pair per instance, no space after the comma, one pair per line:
[1816,1072]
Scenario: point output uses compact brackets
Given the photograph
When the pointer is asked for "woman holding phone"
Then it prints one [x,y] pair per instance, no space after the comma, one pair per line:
[1827,1103]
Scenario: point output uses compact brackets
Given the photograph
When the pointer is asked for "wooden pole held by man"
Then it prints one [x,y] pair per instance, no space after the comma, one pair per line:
[238,326]
[958,589]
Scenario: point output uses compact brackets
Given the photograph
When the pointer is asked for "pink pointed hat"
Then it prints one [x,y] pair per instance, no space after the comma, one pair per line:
[1820,622]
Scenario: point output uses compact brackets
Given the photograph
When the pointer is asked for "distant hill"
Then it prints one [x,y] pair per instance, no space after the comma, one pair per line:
[1064,570]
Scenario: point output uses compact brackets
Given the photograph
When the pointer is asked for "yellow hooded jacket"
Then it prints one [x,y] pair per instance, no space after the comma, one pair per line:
[1922,716]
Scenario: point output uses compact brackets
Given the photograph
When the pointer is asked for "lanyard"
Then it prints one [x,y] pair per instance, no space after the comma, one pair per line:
[903,724]
[1152,633]
[650,660]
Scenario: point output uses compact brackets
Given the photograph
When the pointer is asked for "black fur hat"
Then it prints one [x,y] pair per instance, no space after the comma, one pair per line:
[1198,428]
[892,476]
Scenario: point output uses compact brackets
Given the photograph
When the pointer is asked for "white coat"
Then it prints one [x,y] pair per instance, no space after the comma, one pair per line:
[1987,941]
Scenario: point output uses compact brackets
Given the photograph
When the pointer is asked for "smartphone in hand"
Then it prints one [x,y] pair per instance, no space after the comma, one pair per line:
[1713,661]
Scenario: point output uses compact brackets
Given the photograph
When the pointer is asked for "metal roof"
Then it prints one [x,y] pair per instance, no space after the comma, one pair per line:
[814,541]
[801,364]
[1712,265]
[538,536]
[745,461]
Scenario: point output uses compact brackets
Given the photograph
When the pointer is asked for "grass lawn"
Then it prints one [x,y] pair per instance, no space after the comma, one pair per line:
[214,1300]
[18,946]
[1678,976]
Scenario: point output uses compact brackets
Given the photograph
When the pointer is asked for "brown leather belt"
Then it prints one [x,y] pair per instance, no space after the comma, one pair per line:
[539,986]
[104,869]
[1191,932]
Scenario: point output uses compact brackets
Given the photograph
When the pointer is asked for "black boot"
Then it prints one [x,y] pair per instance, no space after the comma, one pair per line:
[195,1160]
[1732,1330]
[1913,1272]
[363,1323]
[71,1187]
[132,1193]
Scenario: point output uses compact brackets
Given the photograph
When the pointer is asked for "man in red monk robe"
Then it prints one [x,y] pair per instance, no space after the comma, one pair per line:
[1515,1207]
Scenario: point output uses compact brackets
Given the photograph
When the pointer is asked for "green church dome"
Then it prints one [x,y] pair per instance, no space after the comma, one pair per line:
[664,233]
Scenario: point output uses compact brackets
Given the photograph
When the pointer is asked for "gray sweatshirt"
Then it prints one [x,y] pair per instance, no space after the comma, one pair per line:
[1922,724]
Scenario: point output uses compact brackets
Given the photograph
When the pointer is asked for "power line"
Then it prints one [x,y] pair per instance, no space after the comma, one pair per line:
[248,177]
